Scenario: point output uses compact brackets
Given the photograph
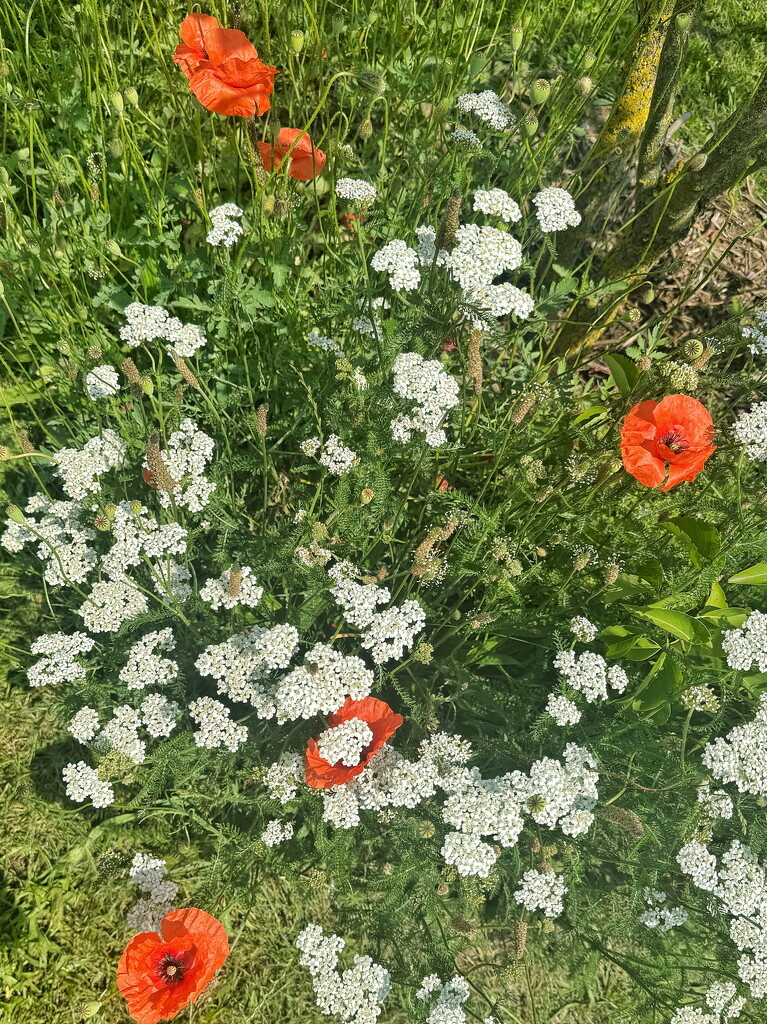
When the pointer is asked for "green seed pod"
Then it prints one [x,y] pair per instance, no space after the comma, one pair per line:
[517,34]
[528,126]
[697,163]
[274,128]
[136,508]
[115,148]
[101,523]
[584,86]
[693,348]
[297,38]
[147,386]
[131,96]
[683,22]
[117,102]
[113,248]
[589,60]
[539,91]
[110,510]
[15,514]
[648,295]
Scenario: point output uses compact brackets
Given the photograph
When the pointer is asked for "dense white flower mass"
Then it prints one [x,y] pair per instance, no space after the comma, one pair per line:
[487,106]
[741,756]
[149,874]
[721,1000]
[357,189]
[433,391]
[102,382]
[145,667]
[468,854]
[317,340]
[563,711]
[226,227]
[542,890]
[583,630]
[80,469]
[83,783]
[283,778]
[393,630]
[110,604]
[371,324]
[236,586]
[59,663]
[445,1000]
[497,203]
[153,323]
[659,916]
[135,536]
[121,734]
[186,458]
[321,684]
[216,729]
[63,541]
[159,714]
[555,209]
[84,725]
[171,580]
[746,648]
[400,262]
[480,254]
[750,429]
[588,673]
[758,333]
[355,994]
[359,601]
[345,743]
[738,884]
[716,803]
[466,139]
[499,300]
[336,457]
[276,832]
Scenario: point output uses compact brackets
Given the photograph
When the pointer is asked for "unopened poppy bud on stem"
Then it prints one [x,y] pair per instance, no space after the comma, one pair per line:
[584,86]
[131,96]
[539,91]
[113,248]
[117,102]
[589,60]
[297,38]
[14,513]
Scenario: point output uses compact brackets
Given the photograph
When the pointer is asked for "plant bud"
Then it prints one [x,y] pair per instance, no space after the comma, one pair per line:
[528,126]
[648,295]
[131,96]
[297,40]
[113,248]
[589,60]
[274,128]
[539,91]
[683,22]
[611,573]
[584,86]
[115,148]
[581,560]
[644,363]
[15,514]
[117,102]
[693,348]
[365,130]
[697,163]
[516,37]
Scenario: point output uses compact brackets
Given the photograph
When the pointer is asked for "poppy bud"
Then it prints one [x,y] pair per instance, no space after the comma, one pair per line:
[15,514]
[683,22]
[365,129]
[528,126]
[297,40]
[337,24]
[693,348]
[696,163]
[584,86]
[648,295]
[539,91]
[131,96]
[516,37]
[115,148]
[476,63]
[589,60]
[147,386]
[274,129]
[118,104]
[112,247]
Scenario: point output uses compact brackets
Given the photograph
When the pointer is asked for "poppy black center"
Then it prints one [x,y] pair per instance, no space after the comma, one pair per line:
[675,441]
[171,969]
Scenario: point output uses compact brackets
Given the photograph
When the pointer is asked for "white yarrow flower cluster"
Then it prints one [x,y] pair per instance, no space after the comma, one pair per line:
[480,254]
[355,994]
[83,783]
[661,917]
[121,734]
[317,340]
[149,874]
[392,631]
[153,323]
[497,203]
[336,457]
[758,333]
[63,541]
[563,711]
[277,832]
[400,262]
[588,673]
[359,601]
[110,604]
[321,684]
[345,743]
[555,209]
[80,469]
[136,535]
[583,630]
[283,778]
[216,729]
[542,890]
[84,725]
[434,392]
[186,458]
[232,588]
[59,662]
[445,1000]
[102,382]
[159,714]
[226,227]
[741,756]
[466,139]
[487,106]
[716,803]
[145,667]
[720,999]
[746,648]
[750,429]
[356,189]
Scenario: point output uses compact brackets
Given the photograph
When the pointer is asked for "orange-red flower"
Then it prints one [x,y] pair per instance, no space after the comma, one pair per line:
[381,720]
[306,162]
[223,68]
[667,441]
[160,976]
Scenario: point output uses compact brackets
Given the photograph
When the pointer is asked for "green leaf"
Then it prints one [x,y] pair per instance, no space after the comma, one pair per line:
[717,598]
[756,575]
[587,414]
[628,642]
[649,569]
[700,538]
[624,372]
[659,685]
[676,623]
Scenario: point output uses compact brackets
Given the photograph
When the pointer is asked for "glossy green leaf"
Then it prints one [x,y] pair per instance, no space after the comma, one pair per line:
[676,623]
[624,372]
[699,537]
[754,576]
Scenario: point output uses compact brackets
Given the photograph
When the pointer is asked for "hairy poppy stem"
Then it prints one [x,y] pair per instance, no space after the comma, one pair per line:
[255,152]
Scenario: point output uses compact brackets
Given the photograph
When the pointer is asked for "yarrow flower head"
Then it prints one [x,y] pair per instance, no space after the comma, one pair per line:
[59,662]
[236,586]
[555,210]
[487,106]
[433,391]
[153,323]
[583,630]
[355,994]
[497,203]
[356,189]
[400,262]
[741,756]
[226,227]
[588,673]
[466,139]
[746,647]
[83,783]
[542,890]
[750,429]
[355,733]
[102,382]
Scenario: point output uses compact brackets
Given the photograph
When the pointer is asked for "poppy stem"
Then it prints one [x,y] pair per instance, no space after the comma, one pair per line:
[255,152]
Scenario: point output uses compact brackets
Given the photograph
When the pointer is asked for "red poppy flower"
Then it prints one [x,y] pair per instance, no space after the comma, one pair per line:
[671,437]
[306,162]
[381,720]
[148,477]
[223,68]
[160,976]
